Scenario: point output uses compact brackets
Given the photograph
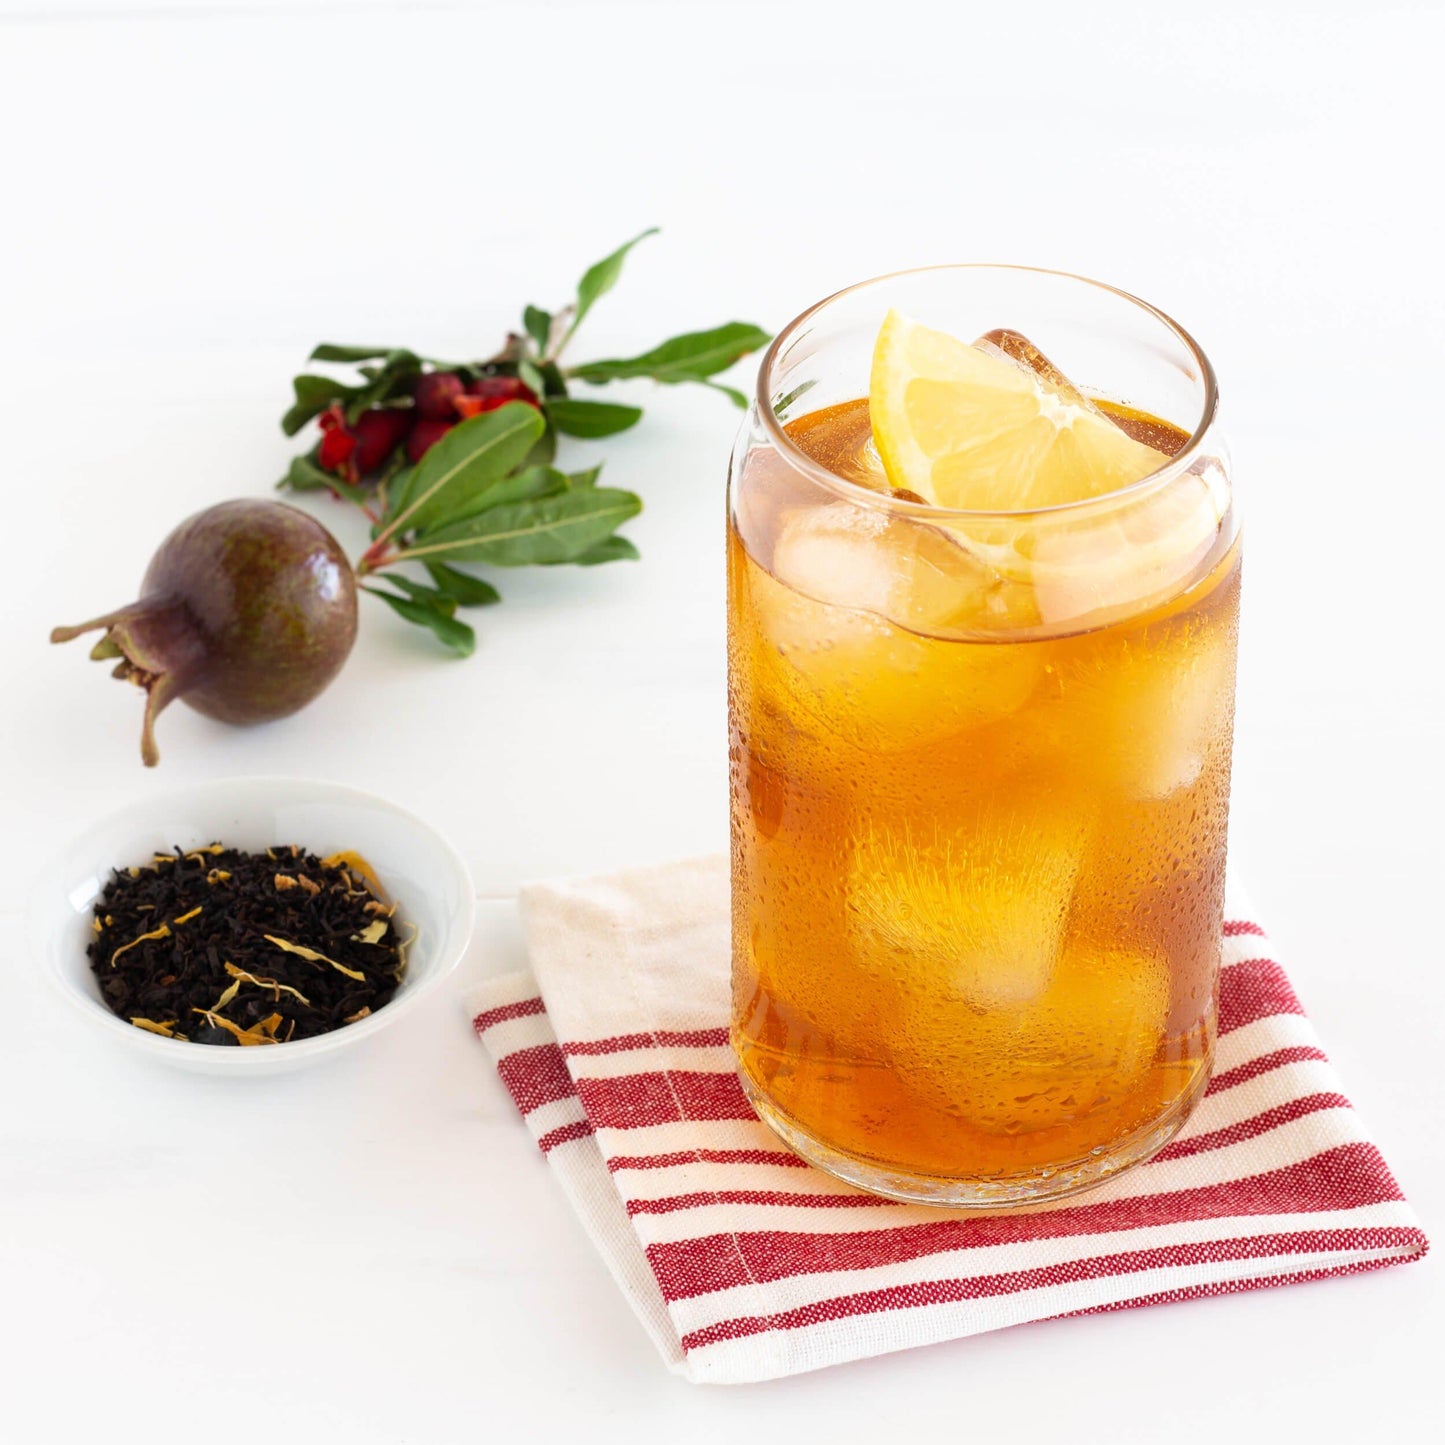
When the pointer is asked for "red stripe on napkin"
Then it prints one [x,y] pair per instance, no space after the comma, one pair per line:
[753,1251]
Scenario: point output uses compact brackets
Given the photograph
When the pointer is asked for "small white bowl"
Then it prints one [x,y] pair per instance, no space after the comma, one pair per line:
[416,866]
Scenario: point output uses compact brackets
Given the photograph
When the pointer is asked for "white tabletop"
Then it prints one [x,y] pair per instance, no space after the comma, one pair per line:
[195,195]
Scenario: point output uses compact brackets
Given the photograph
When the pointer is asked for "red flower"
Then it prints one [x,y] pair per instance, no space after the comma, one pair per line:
[337,442]
[487,393]
[435,392]
[425,433]
[378,433]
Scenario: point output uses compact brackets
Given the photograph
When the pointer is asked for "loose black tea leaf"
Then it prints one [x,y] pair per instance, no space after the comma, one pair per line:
[223,947]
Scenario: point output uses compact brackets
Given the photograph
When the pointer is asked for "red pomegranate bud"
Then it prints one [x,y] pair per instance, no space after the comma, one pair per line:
[425,433]
[379,432]
[497,389]
[332,417]
[435,392]
[337,445]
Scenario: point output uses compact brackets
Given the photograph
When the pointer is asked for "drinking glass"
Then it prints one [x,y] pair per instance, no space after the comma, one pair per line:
[979,762]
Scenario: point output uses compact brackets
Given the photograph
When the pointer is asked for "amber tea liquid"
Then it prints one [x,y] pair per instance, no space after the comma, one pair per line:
[978,882]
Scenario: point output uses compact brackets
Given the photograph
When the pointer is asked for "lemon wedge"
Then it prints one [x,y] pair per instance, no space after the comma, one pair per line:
[965,428]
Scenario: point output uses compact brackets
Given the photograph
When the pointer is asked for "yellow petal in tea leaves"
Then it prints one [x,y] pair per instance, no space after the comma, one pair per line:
[152,1026]
[311,955]
[277,987]
[162,932]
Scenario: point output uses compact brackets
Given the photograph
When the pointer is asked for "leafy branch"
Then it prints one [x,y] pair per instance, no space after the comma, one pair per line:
[452,462]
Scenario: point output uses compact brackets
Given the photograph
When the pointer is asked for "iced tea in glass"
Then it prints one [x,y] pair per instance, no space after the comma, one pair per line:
[983,567]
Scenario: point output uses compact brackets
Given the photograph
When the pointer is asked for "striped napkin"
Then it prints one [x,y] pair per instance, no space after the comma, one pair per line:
[745,1263]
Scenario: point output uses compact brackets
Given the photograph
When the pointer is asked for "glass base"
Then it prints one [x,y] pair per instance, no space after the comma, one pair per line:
[998,1192]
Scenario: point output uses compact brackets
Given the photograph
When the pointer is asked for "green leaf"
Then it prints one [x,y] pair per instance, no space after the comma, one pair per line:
[588,478]
[388,382]
[602,277]
[330,351]
[474,456]
[783,402]
[519,486]
[545,451]
[691,357]
[446,629]
[530,376]
[313,395]
[738,398]
[395,488]
[538,324]
[611,549]
[576,418]
[303,475]
[468,591]
[444,602]
[557,528]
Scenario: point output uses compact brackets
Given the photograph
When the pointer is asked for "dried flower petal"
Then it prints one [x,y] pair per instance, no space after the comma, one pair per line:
[261,1033]
[355,863]
[241,976]
[286,946]
[162,932]
[154,1026]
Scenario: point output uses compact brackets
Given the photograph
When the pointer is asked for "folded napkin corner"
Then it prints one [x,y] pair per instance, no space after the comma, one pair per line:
[745,1263]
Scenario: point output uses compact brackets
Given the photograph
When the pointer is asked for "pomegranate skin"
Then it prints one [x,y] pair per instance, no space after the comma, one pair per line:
[271,600]
[434,393]
[426,432]
[504,388]
[247,611]
[379,432]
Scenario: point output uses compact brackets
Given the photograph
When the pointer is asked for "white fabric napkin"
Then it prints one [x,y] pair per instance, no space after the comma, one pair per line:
[745,1263]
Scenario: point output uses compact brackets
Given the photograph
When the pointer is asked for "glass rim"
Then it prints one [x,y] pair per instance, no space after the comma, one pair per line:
[852,491]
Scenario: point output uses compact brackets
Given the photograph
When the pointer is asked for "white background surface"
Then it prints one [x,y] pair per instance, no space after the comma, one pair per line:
[194,196]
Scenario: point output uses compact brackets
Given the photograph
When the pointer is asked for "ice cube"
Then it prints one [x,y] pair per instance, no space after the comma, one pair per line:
[1080,1046]
[1172,712]
[973,916]
[1130,557]
[932,581]
[1016,347]
[853,595]
[838,554]
[1149,710]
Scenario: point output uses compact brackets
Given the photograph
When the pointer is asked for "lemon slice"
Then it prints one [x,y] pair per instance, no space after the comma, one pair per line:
[963,428]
